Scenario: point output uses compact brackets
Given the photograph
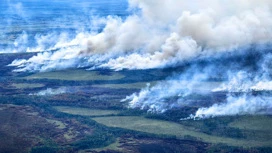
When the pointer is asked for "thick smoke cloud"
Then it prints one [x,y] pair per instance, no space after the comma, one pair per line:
[157,99]
[238,105]
[247,88]
[217,29]
[168,33]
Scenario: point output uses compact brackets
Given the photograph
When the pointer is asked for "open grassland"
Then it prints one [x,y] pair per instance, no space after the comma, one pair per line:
[255,127]
[173,129]
[26,85]
[201,86]
[75,75]
[138,85]
[22,86]
[258,123]
[85,111]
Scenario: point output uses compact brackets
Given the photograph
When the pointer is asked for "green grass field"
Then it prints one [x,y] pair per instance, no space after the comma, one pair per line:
[85,111]
[27,85]
[138,85]
[255,127]
[75,75]
[172,129]
[258,123]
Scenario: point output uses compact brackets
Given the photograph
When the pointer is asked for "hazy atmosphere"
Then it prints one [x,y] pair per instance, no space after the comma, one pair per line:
[132,75]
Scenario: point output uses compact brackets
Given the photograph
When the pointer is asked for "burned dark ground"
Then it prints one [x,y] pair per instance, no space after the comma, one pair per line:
[84,114]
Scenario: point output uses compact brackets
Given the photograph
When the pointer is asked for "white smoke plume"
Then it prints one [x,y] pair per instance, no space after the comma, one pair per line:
[168,32]
[158,98]
[241,105]
[50,91]
[247,91]
[169,94]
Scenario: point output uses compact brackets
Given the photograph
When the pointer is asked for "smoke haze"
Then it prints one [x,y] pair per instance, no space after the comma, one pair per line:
[232,38]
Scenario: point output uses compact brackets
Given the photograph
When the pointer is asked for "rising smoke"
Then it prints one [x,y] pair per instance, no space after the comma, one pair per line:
[168,33]
[50,91]
[151,38]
